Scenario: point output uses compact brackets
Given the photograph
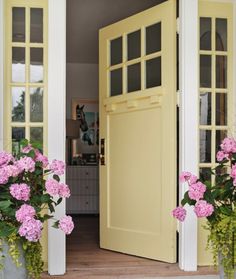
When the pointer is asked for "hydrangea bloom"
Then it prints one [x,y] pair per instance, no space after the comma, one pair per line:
[27,148]
[41,158]
[12,170]
[196,191]
[20,191]
[66,224]
[220,156]
[31,229]
[4,175]
[25,212]
[26,163]
[52,187]
[57,166]
[228,145]
[203,209]
[187,177]
[179,213]
[5,158]
[64,190]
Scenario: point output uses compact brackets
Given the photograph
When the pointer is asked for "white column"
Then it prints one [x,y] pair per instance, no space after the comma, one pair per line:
[1,71]
[56,120]
[189,74]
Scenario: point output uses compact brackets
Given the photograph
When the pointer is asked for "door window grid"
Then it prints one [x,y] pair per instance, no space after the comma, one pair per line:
[126,62]
[27,126]
[212,126]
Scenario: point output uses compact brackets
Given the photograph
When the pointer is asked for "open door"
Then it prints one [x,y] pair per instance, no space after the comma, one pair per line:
[138,134]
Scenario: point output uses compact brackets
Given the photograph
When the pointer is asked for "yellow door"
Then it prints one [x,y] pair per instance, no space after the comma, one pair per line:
[138,134]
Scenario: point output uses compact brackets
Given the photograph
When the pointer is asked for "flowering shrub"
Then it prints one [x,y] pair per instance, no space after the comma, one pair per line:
[29,184]
[216,199]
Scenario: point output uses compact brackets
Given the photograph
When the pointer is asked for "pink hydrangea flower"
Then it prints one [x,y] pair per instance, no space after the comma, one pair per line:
[5,158]
[31,229]
[20,191]
[66,224]
[57,166]
[220,156]
[12,170]
[203,209]
[52,187]
[27,148]
[64,190]
[196,191]
[41,158]
[187,177]
[25,212]
[26,163]
[228,145]
[4,175]
[179,213]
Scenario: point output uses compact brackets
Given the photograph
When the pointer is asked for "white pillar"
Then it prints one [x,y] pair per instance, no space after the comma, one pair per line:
[56,120]
[189,75]
[1,70]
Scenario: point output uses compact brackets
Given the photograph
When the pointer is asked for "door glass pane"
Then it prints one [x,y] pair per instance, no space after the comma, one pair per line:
[221,34]
[220,135]
[18,104]
[36,104]
[116,51]
[205,71]
[221,71]
[153,38]
[134,45]
[153,72]
[36,134]
[205,33]
[18,133]
[205,173]
[116,82]
[205,108]
[205,146]
[18,64]
[221,109]
[134,77]
[36,25]
[18,24]
[36,65]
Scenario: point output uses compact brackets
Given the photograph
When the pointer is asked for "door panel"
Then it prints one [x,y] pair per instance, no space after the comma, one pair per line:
[138,122]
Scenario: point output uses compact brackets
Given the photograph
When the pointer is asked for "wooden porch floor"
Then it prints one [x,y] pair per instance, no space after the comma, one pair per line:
[86,260]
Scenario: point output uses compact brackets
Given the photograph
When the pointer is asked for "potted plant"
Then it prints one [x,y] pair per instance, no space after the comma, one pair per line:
[30,189]
[215,199]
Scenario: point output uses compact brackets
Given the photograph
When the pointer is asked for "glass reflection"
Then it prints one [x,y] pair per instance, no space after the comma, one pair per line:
[36,65]
[153,72]
[36,135]
[116,51]
[134,45]
[153,38]
[221,34]
[18,104]
[36,104]
[220,135]
[205,174]
[205,33]
[221,71]
[134,77]
[205,146]
[18,24]
[221,109]
[205,108]
[36,25]
[18,133]
[205,71]
[116,82]
[18,64]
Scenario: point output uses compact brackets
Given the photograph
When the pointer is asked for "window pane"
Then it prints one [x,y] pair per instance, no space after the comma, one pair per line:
[18,133]
[205,71]
[205,173]
[153,72]
[116,51]
[116,82]
[205,146]
[221,109]
[18,24]
[153,38]
[18,104]
[205,33]
[205,108]
[36,135]
[221,71]
[221,34]
[220,135]
[36,104]
[36,65]
[18,64]
[134,45]
[36,25]
[134,77]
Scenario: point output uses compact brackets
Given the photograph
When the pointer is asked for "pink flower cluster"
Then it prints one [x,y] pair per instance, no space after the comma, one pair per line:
[26,164]
[39,157]
[66,224]
[187,177]
[54,188]
[228,146]
[25,212]
[5,158]
[203,209]
[196,191]
[57,166]
[20,191]
[31,229]
[179,213]
[4,175]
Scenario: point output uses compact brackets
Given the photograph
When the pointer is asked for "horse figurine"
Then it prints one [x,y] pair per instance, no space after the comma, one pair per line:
[81,117]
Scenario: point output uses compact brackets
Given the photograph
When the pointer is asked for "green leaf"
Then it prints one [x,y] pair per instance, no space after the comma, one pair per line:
[6,230]
[51,208]
[24,142]
[225,210]
[59,201]
[55,225]
[31,154]
[56,177]
[5,204]
[37,145]
[45,198]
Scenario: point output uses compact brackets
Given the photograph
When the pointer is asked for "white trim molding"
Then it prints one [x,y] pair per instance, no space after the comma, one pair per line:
[188,80]
[1,70]
[56,120]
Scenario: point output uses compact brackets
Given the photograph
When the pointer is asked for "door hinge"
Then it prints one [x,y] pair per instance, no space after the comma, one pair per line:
[177,25]
[177,98]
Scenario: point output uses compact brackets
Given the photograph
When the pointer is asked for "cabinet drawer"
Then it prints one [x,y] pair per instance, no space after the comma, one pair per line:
[78,172]
[83,187]
[82,204]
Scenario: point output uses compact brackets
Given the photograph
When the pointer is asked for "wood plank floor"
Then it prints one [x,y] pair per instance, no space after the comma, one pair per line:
[86,260]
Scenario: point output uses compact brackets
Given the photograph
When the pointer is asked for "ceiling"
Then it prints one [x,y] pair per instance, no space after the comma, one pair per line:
[86,17]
